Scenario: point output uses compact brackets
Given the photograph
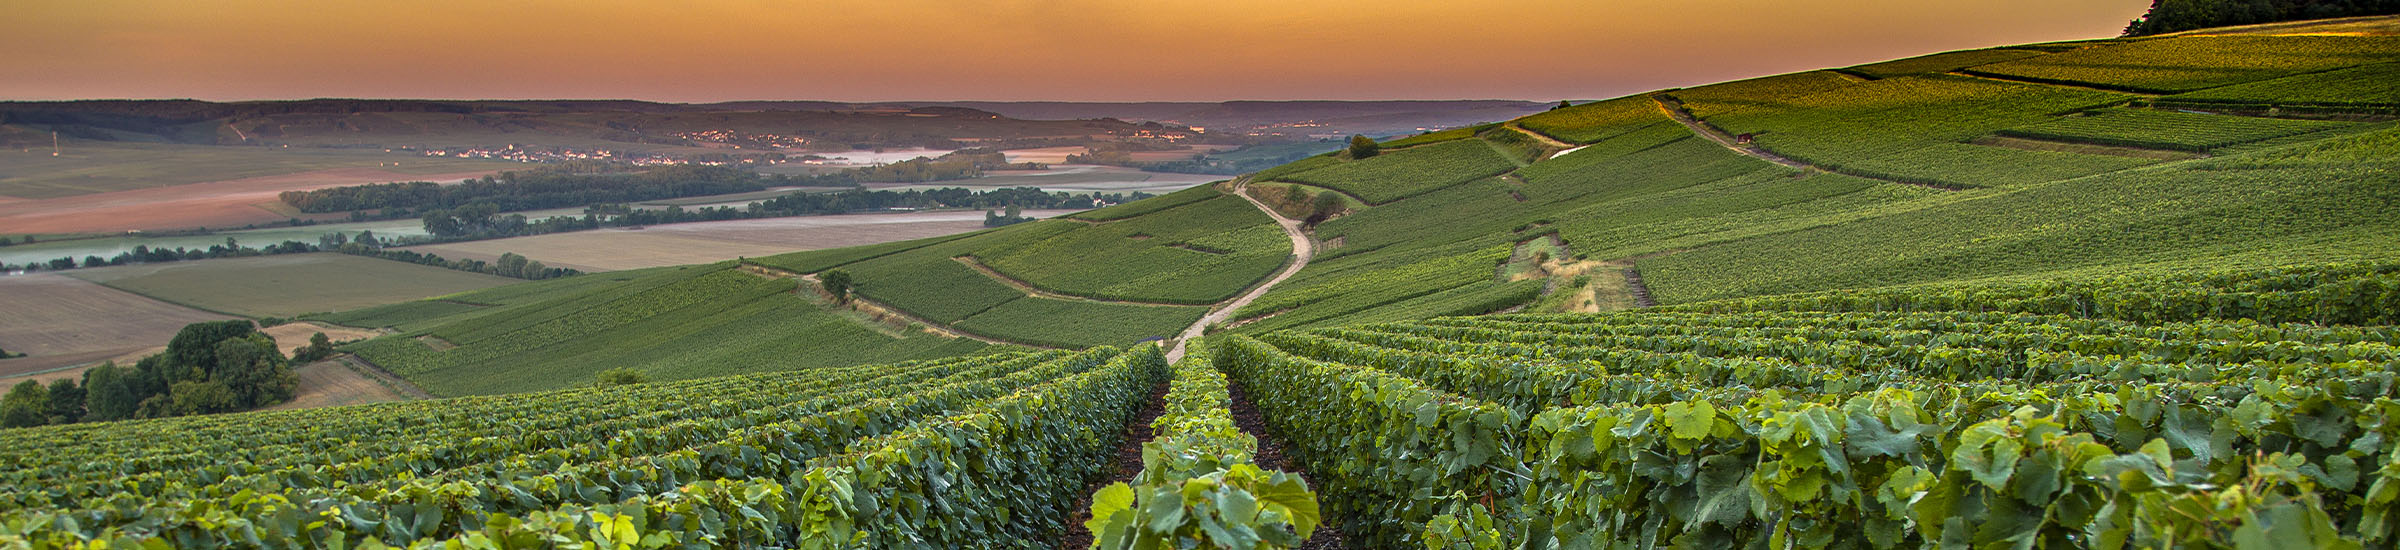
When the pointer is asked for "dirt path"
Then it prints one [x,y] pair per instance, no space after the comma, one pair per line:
[1546,140]
[1303,247]
[1641,292]
[1270,457]
[1675,109]
[1037,292]
[397,384]
[1128,463]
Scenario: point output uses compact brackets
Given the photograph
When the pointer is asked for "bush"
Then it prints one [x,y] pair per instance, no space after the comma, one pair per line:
[622,376]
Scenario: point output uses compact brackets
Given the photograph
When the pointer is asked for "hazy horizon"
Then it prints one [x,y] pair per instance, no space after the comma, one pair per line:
[1018,50]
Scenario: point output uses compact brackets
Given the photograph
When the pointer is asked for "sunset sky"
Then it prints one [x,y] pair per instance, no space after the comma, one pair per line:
[1082,50]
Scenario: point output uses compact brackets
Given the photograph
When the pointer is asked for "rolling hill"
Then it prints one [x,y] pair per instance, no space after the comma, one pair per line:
[2096,294]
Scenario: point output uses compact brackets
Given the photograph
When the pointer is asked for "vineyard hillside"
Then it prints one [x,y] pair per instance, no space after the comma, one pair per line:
[2117,293]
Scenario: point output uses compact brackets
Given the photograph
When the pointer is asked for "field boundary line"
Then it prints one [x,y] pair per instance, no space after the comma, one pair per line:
[1675,110]
[1038,292]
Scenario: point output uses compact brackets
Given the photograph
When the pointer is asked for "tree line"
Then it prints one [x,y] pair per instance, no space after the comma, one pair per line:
[211,367]
[486,221]
[537,189]
[366,244]
[568,185]
[2168,16]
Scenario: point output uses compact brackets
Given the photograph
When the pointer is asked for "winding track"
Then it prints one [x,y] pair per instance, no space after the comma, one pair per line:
[1303,248]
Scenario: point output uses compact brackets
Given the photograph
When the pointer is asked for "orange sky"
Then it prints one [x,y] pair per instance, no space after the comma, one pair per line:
[1089,50]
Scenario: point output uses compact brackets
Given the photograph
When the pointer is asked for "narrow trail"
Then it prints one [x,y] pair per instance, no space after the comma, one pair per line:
[1675,110]
[1270,457]
[1037,292]
[1303,247]
[362,366]
[1641,292]
[1128,463]
[1546,140]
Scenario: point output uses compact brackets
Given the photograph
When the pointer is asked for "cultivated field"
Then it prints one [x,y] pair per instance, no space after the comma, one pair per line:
[60,321]
[216,204]
[287,285]
[704,242]
[87,167]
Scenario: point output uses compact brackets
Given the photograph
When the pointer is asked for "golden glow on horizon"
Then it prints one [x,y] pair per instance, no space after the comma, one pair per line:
[1077,50]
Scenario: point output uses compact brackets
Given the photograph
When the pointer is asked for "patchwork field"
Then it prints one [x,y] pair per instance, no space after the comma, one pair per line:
[59,321]
[287,285]
[217,204]
[705,242]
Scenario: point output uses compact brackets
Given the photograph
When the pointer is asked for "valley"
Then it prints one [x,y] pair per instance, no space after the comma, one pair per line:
[2127,292]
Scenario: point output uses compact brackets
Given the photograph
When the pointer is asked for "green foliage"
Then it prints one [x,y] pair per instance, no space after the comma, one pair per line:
[1078,323]
[1941,62]
[535,467]
[837,282]
[1760,93]
[1201,253]
[670,324]
[2166,129]
[27,404]
[1409,172]
[1362,147]
[1437,136]
[2302,204]
[1149,205]
[1198,486]
[2167,16]
[1864,120]
[2321,294]
[1960,165]
[2183,64]
[620,377]
[2368,85]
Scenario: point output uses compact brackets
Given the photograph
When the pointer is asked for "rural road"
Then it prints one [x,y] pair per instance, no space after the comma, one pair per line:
[1675,110]
[1302,249]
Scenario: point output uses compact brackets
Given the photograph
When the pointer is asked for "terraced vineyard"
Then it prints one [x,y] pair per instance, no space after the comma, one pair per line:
[1816,429]
[820,458]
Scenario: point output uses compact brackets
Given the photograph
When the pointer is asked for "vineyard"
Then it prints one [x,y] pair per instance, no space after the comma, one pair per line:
[1814,429]
[850,457]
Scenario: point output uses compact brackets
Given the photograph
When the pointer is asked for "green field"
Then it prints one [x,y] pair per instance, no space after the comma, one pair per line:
[2369,85]
[1910,322]
[1408,172]
[2182,64]
[2166,129]
[287,285]
[669,323]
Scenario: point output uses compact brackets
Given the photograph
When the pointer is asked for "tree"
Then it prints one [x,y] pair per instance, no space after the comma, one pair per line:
[252,371]
[1294,195]
[1363,147]
[208,397]
[319,347]
[66,401]
[28,404]
[194,349]
[1323,208]
[621,376]
[837,283]
[1562,104]
[107,395]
